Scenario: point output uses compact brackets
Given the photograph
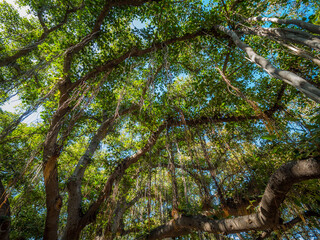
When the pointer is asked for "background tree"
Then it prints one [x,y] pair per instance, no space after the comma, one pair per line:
[159,119]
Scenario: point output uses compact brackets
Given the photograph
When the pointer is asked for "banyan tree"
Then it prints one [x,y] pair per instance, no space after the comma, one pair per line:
[159,119]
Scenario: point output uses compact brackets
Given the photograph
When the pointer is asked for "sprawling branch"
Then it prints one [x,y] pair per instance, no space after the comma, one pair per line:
[119,171]
[75,222]
[52,151]
[117,174]
[288,77]
[122,166]
[267,215]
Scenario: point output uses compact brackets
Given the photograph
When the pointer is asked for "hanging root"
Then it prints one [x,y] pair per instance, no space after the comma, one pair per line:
[266,120]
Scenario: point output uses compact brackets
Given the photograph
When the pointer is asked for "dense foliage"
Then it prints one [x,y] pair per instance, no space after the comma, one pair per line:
[160,118]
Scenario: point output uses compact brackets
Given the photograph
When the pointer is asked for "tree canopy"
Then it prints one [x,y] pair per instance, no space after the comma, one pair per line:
[182,119]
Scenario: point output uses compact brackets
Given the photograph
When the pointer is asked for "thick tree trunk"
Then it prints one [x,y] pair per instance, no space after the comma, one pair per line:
[51,154]
[53,203]
[4,214]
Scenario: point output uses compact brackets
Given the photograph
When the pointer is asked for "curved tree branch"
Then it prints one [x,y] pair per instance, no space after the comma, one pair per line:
[267,215]
[74,182]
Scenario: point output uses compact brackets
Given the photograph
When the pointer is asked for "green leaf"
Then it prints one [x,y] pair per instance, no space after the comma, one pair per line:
[269,137]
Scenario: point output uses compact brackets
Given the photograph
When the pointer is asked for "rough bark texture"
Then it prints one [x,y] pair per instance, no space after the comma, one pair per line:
[51,153]
[266,217]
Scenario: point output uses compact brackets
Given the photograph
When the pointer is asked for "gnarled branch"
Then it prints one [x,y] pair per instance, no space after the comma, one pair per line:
[267,215]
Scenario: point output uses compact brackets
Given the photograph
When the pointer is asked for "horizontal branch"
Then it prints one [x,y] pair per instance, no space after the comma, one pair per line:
[267,215]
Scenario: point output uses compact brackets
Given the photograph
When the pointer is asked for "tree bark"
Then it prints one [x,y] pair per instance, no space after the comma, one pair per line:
[51,153]
[4,214]
[267,215]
